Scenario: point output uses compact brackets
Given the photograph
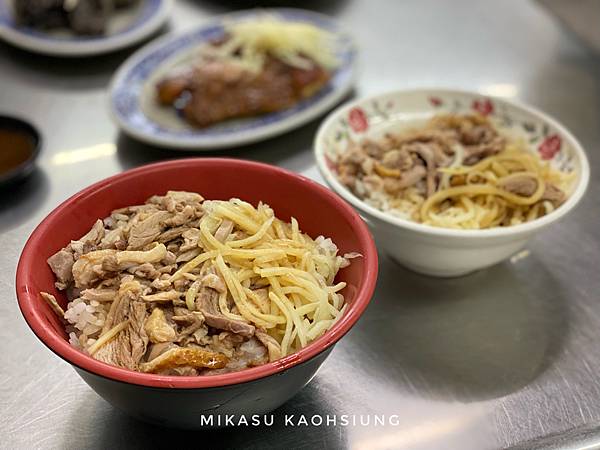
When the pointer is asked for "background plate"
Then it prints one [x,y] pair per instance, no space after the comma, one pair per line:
[132,89]
[125,28]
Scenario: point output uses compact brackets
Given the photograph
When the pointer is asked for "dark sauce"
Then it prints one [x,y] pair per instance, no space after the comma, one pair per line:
[16,147]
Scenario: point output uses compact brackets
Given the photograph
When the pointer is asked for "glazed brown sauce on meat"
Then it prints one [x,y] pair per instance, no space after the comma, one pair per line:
[16,147]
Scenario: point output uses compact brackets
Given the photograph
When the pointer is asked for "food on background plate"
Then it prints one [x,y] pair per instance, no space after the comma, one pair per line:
[186,286]
[260,66]
[457,171]
[85,17]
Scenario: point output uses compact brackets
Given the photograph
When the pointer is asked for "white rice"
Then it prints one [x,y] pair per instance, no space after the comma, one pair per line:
[326,245]
[86,321]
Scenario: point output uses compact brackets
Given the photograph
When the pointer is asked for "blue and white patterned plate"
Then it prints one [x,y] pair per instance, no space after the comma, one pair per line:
[132,92]
[125,28]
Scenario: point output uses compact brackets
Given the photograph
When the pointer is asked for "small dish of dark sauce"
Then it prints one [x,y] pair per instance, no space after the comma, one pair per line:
[19,148]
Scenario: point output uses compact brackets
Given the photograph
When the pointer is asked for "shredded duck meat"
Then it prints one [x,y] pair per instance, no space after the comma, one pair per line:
[147,293]
[401,171]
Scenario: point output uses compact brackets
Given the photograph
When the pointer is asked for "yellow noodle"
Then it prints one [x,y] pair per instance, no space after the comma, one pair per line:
[106,337]
[223,209]
[482,189]
[208,240]
[190,295]
[247,310]
[296,319]
[225,308]
[285,342]
[251,240]
[190,265]
[295,231]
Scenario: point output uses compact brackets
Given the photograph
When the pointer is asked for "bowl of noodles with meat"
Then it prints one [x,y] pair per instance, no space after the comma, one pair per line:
[451,181]
[188,290]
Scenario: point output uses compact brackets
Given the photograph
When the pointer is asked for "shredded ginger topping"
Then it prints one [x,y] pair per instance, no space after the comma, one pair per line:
[297,44]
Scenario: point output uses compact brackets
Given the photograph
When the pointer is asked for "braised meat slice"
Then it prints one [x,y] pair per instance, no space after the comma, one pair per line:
[525,185]
[61,264]
[219,90]
[207,304]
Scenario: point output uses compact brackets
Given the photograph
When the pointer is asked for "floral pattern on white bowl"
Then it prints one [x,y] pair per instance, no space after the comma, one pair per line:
[357,123]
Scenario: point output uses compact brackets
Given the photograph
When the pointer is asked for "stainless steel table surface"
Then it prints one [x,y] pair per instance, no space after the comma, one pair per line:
[509,356]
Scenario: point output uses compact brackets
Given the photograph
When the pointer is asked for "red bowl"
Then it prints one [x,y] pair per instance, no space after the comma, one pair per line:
[318,211]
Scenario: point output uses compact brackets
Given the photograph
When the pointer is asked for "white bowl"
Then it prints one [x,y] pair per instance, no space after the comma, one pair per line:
[438,251]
